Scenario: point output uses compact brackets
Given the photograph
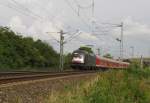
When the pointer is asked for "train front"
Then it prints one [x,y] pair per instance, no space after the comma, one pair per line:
[78,59]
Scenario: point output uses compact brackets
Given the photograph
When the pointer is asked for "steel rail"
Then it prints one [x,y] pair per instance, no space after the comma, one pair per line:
[40,76]
[19,73]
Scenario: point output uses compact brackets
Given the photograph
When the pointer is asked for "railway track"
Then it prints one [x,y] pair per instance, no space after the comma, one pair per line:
[10,74]
[6,78]
[20,73]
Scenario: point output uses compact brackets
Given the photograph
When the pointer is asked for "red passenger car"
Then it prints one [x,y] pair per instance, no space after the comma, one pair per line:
[110,63]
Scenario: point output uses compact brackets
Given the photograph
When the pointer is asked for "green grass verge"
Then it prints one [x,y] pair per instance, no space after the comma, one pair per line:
[123,86]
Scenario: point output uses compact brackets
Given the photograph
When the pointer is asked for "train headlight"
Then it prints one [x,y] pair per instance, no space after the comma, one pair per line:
[78,59]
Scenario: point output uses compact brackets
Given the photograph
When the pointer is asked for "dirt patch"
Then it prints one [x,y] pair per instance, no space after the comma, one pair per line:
[36,91]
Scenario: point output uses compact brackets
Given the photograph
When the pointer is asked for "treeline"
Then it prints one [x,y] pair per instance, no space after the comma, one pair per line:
[17,52]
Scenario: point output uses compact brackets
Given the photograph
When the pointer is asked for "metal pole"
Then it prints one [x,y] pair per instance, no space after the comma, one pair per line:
[122,48]
[98,50]
[132,54]
[141,62]
[61,65]
[120,51]
[60,52]
[149,52]
[78,10]
[93,4]
[61,43]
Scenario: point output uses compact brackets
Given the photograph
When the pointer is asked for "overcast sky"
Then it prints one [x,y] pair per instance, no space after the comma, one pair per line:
[36,17]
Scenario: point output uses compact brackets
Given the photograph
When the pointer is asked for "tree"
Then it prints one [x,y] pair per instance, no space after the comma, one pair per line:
[19,52]
[67,60]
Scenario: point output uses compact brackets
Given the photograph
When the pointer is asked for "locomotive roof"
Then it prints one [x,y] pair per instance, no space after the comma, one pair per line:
[82,51]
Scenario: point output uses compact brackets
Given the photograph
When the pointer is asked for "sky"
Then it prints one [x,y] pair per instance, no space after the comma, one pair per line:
[42,19]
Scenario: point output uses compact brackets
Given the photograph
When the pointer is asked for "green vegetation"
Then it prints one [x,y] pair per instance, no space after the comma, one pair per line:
[67,61]
[115,86]
[89,50]
[17,52]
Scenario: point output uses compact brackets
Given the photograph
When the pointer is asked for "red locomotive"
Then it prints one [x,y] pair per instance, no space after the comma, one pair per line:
[84,60]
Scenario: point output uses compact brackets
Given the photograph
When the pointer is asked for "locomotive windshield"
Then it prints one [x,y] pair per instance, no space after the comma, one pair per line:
[78,58]
[77,55]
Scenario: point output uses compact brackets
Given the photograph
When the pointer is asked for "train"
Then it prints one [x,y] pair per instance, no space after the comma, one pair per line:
[82,59]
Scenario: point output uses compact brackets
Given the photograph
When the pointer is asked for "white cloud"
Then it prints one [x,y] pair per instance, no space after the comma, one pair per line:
[16,24]
[87,36]
[37,30]
[135,28]
[26,1]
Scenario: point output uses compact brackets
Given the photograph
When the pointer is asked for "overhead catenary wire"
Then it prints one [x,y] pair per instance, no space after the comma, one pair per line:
[52,16]
[76,12]
[36,15]
[83,7]
[18,7]
[26,9]
[73,37]
[17,10]
[92,6]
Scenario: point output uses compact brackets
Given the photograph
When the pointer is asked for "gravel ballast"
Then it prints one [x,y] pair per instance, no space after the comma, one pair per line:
[36,91]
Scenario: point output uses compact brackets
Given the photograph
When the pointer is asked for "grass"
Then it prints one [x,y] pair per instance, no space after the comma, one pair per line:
[122,86]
